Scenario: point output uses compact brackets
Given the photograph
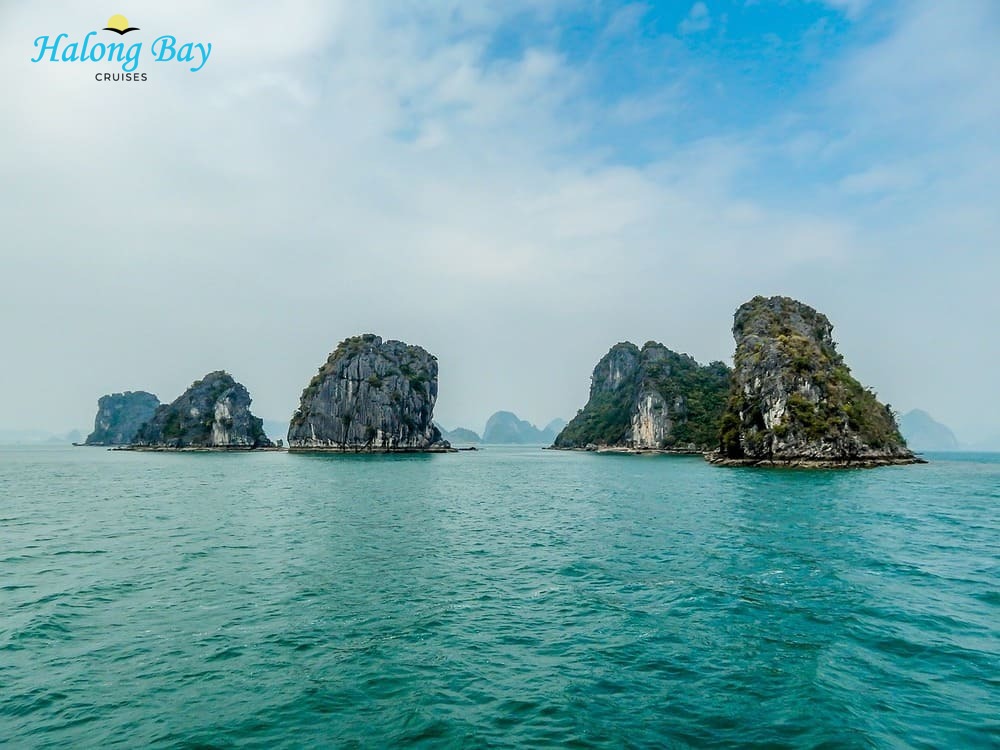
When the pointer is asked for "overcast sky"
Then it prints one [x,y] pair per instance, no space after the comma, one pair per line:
[513,185]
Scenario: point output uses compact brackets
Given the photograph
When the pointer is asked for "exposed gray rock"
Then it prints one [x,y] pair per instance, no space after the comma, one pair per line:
[370,396]
[120,415]
[650,399]
[213,413]
[793,399]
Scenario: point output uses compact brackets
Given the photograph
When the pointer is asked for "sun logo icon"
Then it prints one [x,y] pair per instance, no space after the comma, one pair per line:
[119,25]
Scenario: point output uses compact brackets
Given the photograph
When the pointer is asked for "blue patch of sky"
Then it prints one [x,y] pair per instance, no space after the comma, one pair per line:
[657,84]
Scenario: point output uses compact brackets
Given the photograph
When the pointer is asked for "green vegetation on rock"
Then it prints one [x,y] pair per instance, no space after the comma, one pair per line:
[213,412]
[650,398]
[792,395]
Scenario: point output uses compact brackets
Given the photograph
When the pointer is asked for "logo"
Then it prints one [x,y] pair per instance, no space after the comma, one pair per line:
[119,25]
[58,48]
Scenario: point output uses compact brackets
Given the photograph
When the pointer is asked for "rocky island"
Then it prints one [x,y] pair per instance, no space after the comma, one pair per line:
[370,395]
[213,414]
[650,399]
[506,428]
[793,400]
[460,435]
[119,417]
[924,433]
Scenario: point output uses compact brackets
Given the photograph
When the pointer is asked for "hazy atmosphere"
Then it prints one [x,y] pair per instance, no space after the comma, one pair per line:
[514,186]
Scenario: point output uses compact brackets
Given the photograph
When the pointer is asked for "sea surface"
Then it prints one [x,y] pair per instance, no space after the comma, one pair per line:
[511,597]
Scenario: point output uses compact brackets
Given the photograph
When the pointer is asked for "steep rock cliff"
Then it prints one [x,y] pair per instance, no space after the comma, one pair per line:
[213,413]
[370,395]
[793,399]
[120,415]
[650,398]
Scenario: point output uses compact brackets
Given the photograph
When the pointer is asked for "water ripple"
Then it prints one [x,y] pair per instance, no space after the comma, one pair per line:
[507,598]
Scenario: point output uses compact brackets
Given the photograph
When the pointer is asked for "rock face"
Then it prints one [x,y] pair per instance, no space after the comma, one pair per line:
[794,401]
[650,399]
[505,428]
[370,396]
[213,413]
[119,417]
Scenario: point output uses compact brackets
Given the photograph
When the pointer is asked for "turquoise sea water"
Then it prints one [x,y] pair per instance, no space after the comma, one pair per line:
[510,597]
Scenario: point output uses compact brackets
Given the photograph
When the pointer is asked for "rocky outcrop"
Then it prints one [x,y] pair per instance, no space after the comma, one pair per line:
[213,413]
[794,401]
[461,436]
[650,399]
[119,417]
[506,428]
[370,396]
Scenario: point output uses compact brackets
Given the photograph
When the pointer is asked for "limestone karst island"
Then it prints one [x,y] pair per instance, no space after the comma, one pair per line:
[213,414]
[650,399]
[120,416]
[370,395]
[793,400]
[788,400]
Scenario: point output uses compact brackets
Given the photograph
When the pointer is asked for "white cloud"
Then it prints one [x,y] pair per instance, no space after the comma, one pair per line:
[697,19]
[362,167]
[880,179]
[626,20]
[850,8]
